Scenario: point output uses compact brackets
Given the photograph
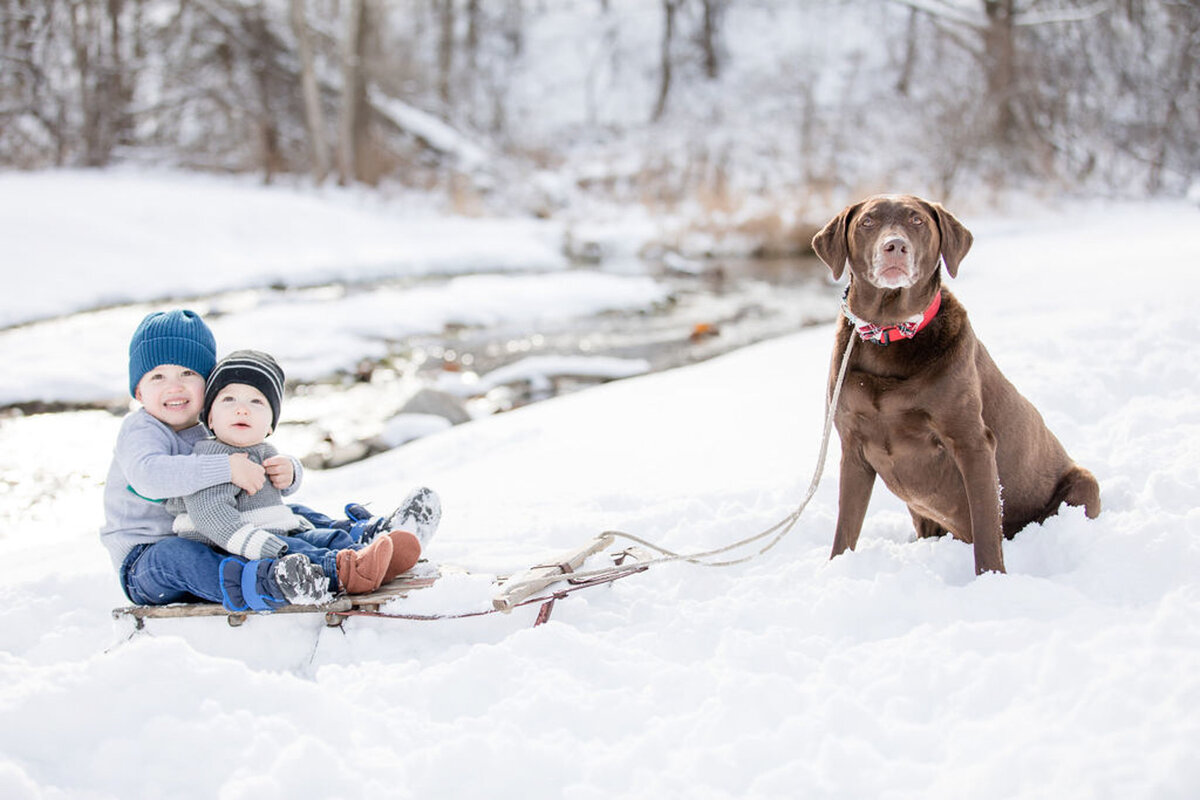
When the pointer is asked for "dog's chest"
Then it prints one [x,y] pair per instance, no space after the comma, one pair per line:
[890,422]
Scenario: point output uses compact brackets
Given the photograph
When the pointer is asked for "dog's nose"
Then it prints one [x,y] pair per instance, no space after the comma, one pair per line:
[896,245]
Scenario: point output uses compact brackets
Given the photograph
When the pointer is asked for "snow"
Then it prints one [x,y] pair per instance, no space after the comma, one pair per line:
[889,672]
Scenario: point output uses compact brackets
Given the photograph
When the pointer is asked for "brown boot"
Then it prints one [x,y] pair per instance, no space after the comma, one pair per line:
[362,571]
[406,550]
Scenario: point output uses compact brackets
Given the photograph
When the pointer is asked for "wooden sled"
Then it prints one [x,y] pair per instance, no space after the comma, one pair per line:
[420,577]
[512,591]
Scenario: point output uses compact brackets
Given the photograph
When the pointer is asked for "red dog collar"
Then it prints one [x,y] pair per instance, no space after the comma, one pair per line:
[886,334]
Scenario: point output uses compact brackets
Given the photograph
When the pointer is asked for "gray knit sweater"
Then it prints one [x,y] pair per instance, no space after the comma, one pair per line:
[244,524]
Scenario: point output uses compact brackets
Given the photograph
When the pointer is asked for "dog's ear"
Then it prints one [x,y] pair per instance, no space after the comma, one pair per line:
[831,243]
[956,239]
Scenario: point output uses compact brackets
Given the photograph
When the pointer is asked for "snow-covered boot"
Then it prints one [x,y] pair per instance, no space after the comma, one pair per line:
[419,514]
[301,582]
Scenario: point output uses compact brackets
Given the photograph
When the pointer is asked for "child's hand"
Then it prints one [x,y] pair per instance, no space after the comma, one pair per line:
[280,471]
[245,474]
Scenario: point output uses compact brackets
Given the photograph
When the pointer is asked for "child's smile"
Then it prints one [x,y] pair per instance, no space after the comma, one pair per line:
[172,394]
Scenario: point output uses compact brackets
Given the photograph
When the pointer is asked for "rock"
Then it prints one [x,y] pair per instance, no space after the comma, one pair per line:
[439,404]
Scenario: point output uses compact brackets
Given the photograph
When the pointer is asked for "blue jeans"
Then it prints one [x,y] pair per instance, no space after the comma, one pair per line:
[177,570]
[173,570]
[358,522]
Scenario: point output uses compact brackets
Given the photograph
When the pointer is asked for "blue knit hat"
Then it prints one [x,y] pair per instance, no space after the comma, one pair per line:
[171,337]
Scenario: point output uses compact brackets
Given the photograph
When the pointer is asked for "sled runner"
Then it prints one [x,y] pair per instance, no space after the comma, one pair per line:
[510,592]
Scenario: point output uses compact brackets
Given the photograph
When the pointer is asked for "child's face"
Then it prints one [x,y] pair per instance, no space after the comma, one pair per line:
[172,394]
[240,416]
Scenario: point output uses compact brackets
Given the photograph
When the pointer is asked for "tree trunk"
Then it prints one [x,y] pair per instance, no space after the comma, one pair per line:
[1001,64]
[314,116]
[352,124]
[258,31]
[670,7]
[910,54]
[710,36]
[445,52]
[474,25]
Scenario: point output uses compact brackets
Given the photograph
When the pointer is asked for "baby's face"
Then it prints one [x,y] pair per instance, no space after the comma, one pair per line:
[240,416]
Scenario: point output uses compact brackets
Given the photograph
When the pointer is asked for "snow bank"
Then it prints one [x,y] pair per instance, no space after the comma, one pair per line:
[78,240]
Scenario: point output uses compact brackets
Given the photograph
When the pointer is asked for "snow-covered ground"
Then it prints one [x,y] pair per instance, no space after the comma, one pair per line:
[889,672]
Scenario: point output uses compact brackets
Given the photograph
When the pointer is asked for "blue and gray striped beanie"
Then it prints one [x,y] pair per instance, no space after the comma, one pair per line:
[171,337]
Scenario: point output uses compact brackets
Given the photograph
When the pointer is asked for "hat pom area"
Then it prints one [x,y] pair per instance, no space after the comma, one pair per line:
[179,337]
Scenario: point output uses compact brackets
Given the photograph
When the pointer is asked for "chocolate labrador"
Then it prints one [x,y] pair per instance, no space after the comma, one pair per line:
[923,406]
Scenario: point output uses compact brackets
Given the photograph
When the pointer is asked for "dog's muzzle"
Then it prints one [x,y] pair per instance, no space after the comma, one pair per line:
[892,264]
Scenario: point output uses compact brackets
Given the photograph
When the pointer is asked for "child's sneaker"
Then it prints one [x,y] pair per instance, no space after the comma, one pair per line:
[419,514]
[302,582]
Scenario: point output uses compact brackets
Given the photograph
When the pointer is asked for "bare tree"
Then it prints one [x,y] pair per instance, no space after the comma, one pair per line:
[710,36]
[96,46]
[990,33]
[314,115]
[352,123]
[445,66]
[670,10]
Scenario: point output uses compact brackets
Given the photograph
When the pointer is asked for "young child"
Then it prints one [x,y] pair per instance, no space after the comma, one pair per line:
[170,356]
[241,406]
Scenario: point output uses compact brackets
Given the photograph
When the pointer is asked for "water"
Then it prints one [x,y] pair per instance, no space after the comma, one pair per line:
[715,307]
[721,306]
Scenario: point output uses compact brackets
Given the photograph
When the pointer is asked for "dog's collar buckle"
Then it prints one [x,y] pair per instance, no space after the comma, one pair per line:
[886,334]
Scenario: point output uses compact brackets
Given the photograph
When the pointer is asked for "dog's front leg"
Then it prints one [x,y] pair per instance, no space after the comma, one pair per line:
[854,494]
[977,463]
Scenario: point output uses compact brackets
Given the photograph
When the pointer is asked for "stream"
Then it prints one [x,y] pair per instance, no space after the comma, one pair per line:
[424,384]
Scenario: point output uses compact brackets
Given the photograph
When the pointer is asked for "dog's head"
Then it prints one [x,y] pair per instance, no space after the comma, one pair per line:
[892,241]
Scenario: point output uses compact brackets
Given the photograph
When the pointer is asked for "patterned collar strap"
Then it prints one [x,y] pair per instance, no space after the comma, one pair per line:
[886,334]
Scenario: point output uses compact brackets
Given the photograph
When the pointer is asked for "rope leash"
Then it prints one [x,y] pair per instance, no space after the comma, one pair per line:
[779,529]
[587,578]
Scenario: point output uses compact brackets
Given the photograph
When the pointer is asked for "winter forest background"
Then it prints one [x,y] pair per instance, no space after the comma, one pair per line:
[756,116]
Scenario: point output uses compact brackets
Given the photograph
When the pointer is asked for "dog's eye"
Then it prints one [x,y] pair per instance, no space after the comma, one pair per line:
[916,220]
[867,222]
